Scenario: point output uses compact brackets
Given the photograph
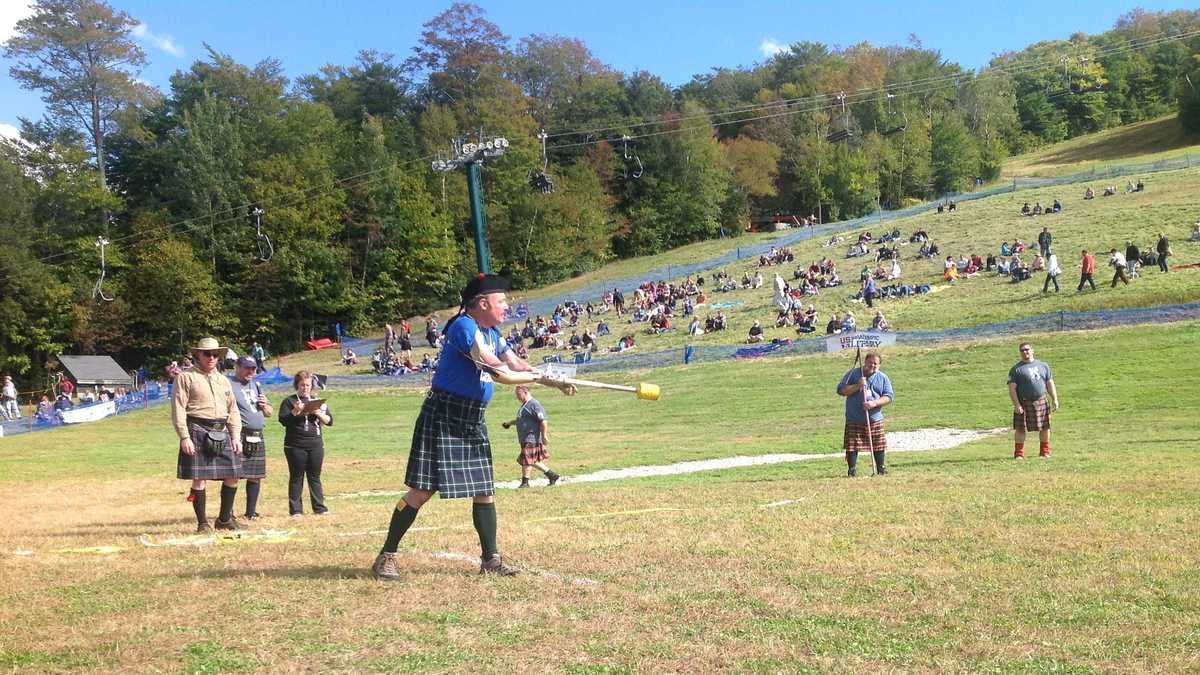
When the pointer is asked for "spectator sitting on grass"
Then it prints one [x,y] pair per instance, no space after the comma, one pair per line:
[807,323]
[949,269]
[1110,191]
[720,322]
[1018,246]
[834,326]
[1005,251]
[601,328]
[895,271]
[1089,193]
[848,323]
[1019,271]
[1057,207]
[622,344]
[694,327]
[991,262]
[574,342]
[659,324]
[349,358]
[1195,235]
[45,411]
[879,323]
[756,333]
[961,264]
[1039,263]
[971,269]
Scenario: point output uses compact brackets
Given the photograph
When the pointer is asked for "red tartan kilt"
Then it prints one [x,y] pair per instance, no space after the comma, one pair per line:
[1035,418]
[532,453]
[855,438]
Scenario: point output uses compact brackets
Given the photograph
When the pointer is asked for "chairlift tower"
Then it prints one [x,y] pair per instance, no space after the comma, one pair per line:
[471,156]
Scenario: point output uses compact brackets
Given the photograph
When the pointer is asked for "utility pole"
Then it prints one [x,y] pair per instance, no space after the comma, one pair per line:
[471,156]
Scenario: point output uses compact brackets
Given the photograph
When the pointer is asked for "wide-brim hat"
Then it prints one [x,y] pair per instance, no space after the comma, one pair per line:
[482,284]
[207,344]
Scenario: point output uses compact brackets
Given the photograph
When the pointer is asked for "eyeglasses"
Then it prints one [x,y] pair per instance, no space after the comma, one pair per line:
[1026,349]
[211,355]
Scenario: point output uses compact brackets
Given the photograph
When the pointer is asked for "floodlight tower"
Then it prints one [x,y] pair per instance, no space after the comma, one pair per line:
[471,155]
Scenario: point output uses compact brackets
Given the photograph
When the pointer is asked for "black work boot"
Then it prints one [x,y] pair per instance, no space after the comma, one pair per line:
[552,477]
[524,483]
[879,468]
[851,464]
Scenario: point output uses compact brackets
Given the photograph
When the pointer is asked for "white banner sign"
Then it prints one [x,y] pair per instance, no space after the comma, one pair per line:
[552,368]
[91,413]
[861,339]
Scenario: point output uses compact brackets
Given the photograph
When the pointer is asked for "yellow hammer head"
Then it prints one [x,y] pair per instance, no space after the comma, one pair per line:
[647,391]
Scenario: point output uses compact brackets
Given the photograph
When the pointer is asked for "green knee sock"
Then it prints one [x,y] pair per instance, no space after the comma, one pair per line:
[402,519]
[484,517]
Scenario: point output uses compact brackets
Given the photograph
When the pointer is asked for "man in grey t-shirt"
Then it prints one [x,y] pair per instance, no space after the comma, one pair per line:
[533,435]
[1029,380]
[254,408]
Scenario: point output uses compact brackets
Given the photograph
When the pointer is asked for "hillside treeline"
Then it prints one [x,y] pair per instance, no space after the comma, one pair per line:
[355,227]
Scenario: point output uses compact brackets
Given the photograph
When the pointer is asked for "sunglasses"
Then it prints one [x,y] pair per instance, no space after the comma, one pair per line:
[212,355]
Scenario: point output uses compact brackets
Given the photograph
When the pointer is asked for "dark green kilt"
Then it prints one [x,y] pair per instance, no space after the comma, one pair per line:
[450,452]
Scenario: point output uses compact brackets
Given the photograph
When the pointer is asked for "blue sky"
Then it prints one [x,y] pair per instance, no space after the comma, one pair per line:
[674,40]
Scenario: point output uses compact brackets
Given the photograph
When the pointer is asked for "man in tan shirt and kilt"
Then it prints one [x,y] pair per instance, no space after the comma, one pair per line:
[206,419]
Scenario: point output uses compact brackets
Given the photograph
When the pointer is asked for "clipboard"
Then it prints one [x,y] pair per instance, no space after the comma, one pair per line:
[310,406]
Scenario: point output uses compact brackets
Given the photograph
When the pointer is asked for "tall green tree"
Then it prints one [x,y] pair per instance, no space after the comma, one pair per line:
[954,155]
[79,54]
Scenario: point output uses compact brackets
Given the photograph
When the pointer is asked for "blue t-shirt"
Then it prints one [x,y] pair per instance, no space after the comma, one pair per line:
[878,385]
[457,374]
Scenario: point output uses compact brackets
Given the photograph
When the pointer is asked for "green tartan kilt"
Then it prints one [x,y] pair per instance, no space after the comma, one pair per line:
[450,452]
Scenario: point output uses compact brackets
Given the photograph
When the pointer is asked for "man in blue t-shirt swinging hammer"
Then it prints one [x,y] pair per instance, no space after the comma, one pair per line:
[866,390]
[450,452]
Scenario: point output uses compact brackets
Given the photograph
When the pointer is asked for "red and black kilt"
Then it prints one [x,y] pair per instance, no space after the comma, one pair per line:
[254,456]
[1035,418]
[202,466]
[532,453]
[856,439]
[450,453]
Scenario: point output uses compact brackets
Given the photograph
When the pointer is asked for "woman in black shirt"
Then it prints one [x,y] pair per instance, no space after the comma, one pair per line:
[303,445]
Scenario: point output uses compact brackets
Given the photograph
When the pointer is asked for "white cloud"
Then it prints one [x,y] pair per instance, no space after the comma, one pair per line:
[12,11]
[9,131]
[161,40]
[770,47]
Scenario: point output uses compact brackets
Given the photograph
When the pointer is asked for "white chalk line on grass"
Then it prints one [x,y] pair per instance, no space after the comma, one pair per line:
[920,440]
[463,557]
[781,502]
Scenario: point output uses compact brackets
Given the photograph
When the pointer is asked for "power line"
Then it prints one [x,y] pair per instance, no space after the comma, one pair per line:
[909,86]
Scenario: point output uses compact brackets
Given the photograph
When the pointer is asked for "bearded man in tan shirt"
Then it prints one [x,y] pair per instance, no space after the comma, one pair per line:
[206,419]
